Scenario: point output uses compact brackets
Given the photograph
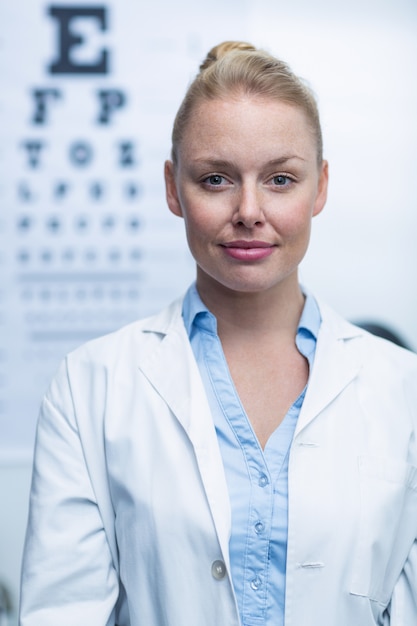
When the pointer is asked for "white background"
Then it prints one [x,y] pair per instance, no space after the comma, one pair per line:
[360,59]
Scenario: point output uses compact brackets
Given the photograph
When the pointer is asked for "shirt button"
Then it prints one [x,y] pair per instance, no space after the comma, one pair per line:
[259,527]
[218,570]
[263,480]
[256,583]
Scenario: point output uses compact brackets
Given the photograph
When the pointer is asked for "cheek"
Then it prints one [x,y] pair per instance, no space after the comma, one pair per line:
[198,231]
[200,221]
[295,222]
[194,217]
[195,224]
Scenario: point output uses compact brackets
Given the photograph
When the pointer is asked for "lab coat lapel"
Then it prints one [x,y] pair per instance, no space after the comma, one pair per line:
[336,365]
[171,369]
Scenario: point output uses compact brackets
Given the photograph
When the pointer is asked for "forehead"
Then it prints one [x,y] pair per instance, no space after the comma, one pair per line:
[250,124]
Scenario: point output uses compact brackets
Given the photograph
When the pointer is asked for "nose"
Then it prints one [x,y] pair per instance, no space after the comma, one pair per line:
[248,209]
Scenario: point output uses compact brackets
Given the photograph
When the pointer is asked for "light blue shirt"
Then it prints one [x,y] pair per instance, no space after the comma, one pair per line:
[257,479]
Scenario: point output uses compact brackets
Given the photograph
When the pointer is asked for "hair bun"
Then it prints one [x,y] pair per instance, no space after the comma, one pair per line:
[222,49]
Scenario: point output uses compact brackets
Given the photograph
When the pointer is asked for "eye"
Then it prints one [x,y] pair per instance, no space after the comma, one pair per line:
[215,180]
[281,180]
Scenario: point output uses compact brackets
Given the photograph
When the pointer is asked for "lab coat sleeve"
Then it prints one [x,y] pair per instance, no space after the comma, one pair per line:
[68,576]
[404,599]
[403,607]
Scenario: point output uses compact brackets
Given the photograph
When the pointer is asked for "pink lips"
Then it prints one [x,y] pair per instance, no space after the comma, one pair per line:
[248,250]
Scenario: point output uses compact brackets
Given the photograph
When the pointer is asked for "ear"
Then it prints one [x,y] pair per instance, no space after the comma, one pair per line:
[322,189]
[171,189]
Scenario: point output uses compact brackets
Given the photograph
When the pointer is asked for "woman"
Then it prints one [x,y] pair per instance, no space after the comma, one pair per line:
[245,457]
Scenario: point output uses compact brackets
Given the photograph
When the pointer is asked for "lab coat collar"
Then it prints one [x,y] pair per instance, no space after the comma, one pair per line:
[336,365]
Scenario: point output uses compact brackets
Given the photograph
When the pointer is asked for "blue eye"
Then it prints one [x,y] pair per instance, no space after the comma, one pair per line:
[280,180]
[215,179]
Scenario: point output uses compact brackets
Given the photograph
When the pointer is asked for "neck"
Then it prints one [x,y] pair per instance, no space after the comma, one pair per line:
[254,314]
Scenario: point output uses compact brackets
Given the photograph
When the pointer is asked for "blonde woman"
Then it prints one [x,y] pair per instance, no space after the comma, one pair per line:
[246,457]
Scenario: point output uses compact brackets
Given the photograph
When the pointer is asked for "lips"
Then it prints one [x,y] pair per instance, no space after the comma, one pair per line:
[246,245]
[244,250]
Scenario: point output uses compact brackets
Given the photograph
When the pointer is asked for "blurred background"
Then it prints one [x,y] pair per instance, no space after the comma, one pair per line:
[88,95]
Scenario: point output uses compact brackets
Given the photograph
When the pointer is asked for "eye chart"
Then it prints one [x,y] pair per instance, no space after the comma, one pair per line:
[87,243]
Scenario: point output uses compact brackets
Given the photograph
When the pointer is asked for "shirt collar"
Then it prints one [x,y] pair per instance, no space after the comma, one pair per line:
[196,314]
[310,319]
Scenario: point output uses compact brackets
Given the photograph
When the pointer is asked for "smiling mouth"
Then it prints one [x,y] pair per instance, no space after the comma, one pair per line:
[248,250]
[247,245]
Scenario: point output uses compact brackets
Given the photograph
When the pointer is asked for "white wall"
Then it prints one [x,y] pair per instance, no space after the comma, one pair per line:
[14,490]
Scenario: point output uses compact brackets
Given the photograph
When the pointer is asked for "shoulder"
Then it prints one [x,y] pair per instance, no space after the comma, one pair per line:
[131,338]
[92,366]
[384,375]
[373,351]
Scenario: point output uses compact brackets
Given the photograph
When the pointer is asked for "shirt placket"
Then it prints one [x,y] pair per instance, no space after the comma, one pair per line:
[258,536]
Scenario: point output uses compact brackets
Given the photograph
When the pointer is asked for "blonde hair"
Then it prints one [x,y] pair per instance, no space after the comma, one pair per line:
[236,67]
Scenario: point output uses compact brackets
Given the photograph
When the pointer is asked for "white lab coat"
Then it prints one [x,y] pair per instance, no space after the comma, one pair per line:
[129,505]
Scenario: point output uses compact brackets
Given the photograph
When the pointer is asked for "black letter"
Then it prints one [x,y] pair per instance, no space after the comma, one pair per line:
[41,97]
[126,154]
[25,192]
[111,99]
[61,190]
[68,40]
[132,190]
[33,148]
[96,191]
[81,153]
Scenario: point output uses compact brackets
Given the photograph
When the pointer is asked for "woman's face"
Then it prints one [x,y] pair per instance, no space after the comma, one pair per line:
[247,184]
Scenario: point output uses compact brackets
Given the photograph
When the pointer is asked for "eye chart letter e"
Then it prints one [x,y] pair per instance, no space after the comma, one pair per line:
[68,39]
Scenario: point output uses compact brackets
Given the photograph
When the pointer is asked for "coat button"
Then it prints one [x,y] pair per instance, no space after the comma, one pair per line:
[218,570]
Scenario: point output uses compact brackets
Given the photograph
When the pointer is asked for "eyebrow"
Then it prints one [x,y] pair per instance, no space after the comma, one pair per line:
[221,163]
